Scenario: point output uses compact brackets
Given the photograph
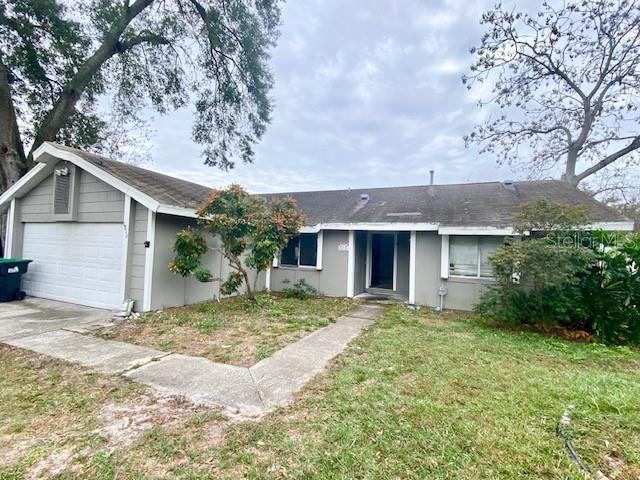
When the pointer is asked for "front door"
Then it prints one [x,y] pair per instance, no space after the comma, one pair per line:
[382,252]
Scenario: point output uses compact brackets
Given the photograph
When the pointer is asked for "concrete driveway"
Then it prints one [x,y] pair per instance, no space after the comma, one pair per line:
[34,316]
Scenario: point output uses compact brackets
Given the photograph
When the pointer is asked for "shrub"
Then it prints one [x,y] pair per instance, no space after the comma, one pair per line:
[592,284]
[612,292]
[537,281]
[300,290]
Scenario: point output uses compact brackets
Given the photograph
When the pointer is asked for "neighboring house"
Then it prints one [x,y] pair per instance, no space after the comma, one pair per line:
[100,231]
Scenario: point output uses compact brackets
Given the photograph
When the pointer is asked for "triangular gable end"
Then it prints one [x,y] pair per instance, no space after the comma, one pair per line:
[47,155]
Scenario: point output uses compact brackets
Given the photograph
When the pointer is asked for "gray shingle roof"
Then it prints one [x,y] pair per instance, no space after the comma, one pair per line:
[472,204]
[165,189]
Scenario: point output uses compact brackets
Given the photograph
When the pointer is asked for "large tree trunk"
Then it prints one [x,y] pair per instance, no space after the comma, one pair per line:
[13,164]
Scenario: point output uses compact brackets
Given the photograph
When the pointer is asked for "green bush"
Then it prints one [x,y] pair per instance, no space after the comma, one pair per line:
[582,280]
[537,281]
[611,294]
[300,290]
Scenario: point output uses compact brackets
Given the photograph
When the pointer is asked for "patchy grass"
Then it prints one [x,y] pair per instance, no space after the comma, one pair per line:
[48,406]
[418,395]
[235,330]
[56,417]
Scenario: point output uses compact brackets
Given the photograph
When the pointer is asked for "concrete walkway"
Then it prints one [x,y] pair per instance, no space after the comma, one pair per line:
[240,391]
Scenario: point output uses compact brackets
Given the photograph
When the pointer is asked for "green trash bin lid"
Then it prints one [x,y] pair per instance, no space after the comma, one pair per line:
[8,260]
[13,260]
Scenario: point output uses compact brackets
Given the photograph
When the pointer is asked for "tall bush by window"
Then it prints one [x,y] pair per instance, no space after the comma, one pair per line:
[559,274]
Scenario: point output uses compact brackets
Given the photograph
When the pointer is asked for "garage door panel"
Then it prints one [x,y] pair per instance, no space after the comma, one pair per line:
[74,262]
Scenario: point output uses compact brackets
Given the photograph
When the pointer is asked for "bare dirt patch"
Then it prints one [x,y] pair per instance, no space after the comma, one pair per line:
[51,465]
[125,422]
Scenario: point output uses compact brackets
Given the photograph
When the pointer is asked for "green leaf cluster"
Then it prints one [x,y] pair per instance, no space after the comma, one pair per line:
[189,247]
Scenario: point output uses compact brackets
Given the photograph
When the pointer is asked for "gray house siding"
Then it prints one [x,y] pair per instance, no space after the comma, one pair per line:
[168,289]
[464,293]
[427,268]
[331,280]
[137,254]
[37,205]
[97,201]
[402,275]
[360,263]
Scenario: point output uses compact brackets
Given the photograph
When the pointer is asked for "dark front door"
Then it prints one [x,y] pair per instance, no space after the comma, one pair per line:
[382,260]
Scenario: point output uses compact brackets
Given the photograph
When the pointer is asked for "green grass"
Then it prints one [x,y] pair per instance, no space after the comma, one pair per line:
[235,330]
[419,395]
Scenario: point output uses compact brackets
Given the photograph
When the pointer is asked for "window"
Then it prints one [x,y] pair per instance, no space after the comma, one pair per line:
[301,251]
[469,255]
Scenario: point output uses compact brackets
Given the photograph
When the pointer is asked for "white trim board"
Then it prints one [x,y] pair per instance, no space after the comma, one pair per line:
[148,261]
[395,261]
[30,180]
[11,218]
[412,268]
[351,264]
[126,233]
[177,211]
[444,257]
[476,231]
[447,230]
[368,262]
[319,247]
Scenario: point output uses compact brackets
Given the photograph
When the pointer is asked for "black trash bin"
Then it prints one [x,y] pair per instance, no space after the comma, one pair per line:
[11,270]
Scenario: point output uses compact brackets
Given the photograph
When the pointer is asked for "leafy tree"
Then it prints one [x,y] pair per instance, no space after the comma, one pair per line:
[632,210]
[567,81]
[57,59]
[544,216]
[252,231]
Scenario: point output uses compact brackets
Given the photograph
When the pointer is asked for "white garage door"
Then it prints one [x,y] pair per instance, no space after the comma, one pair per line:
[74,262]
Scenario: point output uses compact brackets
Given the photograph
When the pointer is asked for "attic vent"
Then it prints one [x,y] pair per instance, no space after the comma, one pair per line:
[404,214]
[508,184]
[62,191]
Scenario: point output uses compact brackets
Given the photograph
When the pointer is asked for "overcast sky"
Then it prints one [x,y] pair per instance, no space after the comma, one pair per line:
[367,93]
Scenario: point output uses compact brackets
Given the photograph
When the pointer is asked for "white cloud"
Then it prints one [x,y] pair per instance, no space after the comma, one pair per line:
[366,94]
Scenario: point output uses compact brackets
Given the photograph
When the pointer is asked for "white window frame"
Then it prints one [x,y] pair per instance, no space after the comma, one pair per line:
[277,262]
[448,258]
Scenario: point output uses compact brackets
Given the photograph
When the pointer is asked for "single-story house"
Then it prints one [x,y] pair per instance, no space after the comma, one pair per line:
[99,231]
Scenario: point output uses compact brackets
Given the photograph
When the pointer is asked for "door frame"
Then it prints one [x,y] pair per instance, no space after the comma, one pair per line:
[369,261]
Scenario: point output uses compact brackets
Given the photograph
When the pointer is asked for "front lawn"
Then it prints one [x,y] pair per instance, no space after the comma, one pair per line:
[234,331]
[418,395]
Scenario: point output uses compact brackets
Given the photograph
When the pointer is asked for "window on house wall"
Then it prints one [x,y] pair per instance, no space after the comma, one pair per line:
[301,251]
[289,255]
[469,255]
